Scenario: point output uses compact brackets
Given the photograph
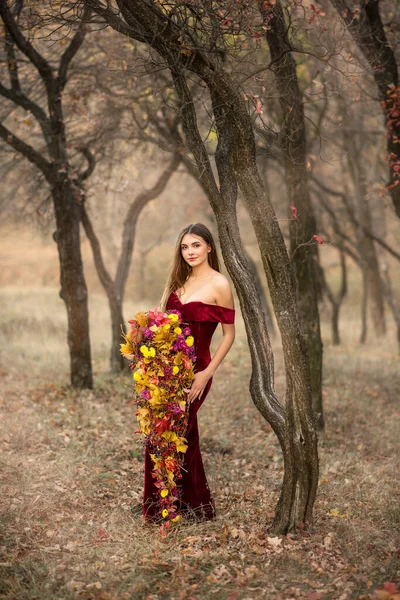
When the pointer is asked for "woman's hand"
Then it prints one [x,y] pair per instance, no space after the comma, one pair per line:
[199,384]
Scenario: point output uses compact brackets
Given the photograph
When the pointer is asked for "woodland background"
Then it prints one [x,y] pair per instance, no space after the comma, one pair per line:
[71,464]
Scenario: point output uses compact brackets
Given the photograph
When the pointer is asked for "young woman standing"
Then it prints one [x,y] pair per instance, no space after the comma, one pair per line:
[203,296]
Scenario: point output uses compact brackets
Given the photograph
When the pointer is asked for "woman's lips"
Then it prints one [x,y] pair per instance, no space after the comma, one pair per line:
[193,258]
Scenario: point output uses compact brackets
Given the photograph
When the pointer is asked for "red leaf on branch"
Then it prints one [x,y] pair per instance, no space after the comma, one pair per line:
[318,239]
[294,211]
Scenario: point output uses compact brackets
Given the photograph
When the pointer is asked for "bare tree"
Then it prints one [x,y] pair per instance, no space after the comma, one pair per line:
[236,165]
[54,163]
[115,287]
[363,20]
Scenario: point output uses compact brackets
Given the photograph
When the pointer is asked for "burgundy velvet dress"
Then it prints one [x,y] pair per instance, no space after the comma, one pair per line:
[195,496]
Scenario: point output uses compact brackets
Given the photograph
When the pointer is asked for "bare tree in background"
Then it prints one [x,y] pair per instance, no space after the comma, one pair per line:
[54,162]
[364,21]
[115,286]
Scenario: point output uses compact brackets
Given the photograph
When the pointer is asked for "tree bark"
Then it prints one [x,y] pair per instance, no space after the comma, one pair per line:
[368,32]
[73,284]
[304,256]
[264,302]
[364,305]
[236,161]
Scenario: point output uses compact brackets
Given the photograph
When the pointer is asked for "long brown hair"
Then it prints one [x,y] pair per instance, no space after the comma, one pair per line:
[180,270]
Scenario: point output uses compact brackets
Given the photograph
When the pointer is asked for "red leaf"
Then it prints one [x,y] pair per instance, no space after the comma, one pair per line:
[259,107]
[294,211]
[102,533]
[162,425]
[318,239]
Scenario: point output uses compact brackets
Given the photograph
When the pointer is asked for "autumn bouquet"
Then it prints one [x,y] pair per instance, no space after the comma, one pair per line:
[162,357]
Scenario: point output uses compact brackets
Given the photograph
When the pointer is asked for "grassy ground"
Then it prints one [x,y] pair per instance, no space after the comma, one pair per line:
[72,478]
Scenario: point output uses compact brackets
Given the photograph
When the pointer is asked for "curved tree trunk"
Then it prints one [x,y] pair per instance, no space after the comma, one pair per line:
[236,161]
[129,232]
[304,255]
[236,164]
[264,301]
[117,361]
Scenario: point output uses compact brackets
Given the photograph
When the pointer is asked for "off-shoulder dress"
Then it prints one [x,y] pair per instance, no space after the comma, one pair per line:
[195,495]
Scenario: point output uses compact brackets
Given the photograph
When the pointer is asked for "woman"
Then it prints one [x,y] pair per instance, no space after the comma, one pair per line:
[203,296]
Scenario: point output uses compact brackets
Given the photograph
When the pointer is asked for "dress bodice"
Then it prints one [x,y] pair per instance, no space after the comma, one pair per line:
[202,319]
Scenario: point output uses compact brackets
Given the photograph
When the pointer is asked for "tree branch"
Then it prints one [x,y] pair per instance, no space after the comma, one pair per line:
[354,219]
[91,164]
[28,151]
[24,45]
[19,98]
[114,21]
[73,48]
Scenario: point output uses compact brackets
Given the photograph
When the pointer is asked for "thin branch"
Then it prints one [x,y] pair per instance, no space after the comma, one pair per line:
[19,98]
[91,164]
[114,21]
[354,219]
[24,45]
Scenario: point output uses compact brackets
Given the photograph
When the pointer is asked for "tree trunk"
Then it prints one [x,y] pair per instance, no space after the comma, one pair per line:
[304,256]
[73,284]
[367,248]
[235,159]
[369,34]
[117,361]
[264,302]
[364,305]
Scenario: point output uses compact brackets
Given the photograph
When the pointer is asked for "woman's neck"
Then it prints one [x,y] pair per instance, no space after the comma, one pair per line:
[201,272]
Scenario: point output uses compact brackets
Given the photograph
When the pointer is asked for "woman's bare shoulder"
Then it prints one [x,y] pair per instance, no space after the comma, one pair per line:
[222,290]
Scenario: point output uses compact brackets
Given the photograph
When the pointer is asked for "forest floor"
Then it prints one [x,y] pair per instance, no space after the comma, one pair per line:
[72,481]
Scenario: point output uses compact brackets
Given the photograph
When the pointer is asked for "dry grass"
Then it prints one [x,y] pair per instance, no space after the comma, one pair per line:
[72,478]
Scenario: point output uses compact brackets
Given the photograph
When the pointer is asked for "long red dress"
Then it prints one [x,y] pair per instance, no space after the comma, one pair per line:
[195,496]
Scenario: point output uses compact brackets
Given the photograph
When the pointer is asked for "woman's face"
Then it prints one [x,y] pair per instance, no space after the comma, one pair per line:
[194,249]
